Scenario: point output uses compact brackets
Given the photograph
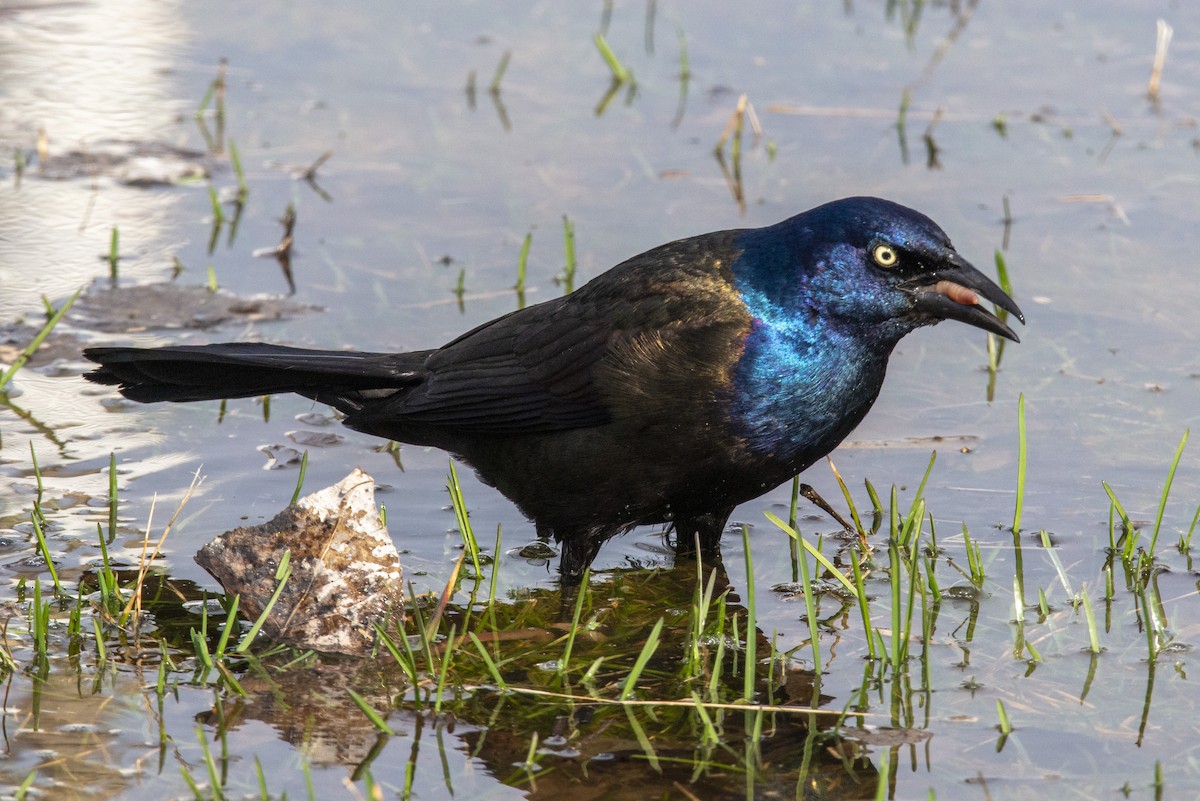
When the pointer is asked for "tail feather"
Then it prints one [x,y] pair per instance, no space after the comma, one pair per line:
[246,369]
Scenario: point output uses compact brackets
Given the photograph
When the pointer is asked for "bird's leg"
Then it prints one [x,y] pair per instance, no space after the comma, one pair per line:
[579,548]
[701,534]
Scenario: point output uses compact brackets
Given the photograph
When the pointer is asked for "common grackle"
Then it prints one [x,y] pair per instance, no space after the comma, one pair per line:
[671,388]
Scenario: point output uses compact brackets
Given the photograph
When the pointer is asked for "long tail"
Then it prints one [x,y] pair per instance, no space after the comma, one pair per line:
[245,369]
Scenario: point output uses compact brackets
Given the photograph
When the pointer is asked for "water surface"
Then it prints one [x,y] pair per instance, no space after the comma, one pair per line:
[1038,104]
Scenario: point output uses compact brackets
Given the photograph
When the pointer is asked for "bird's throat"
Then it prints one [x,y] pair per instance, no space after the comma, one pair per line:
[796,398]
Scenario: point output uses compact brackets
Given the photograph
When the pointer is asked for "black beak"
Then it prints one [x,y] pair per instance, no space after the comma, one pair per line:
[953,293]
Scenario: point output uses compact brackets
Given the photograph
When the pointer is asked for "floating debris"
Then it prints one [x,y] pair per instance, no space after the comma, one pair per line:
[140,164]
[129,309]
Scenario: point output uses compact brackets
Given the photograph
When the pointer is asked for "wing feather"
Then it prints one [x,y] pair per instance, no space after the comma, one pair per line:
[537,369]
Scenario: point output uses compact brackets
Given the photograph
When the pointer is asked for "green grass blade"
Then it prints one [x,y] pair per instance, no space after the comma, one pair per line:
[581,590]
[640,735]
[810,611]
[863,606]
[1162,503]
[569,254]
[498,75]
[444,670]
[643,658]
[282,574]
[1129,533]
[820,557]
[523,262]
[210,764]
[300,478]
[884,767]
[1006,726]
[114,253]
[236,160]
[376,720]
[1054,560]
[858,526]
[405,659]
[1093,633]
[231,620]
[463,519]
[749,674]
[1016,526]
[44,550]
[487,660]
[619,72]
[37,341]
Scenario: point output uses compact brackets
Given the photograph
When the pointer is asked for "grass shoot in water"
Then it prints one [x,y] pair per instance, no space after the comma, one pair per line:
[620,73]
[570,262]
[749,671]
[815,552]
[864,605]
[701,605]
[858,526]
[231,623]
[1059,570]
[37,340]
[1090,617]
[1185,541]
[463,519]
[1016,524]
[1005,724]
[498,75]
[810,612]
[490,663]
[630,686]
[282,573]
[44,549]
[114,253]
[214,775]
[522,266]
[995,344]
[444,670]
[685,76]
[376,719]
[1166,491]
[902,124]
[300,478]
[214,203]
[580,591]
[243,190]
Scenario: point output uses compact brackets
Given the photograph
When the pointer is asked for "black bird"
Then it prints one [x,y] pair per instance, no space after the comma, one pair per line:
[670,389]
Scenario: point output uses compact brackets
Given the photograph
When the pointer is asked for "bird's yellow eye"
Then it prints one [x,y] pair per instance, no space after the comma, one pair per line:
[885,255]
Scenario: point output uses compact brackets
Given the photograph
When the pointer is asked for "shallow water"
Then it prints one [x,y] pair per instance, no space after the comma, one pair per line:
[1041,105]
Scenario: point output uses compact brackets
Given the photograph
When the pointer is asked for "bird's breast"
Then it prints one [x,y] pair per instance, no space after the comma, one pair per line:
[796,396]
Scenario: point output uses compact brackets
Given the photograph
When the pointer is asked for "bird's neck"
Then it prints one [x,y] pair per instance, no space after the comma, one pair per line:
[802,385]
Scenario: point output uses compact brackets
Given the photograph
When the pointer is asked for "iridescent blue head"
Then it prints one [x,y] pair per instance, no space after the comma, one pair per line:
[864,266]
[830,292]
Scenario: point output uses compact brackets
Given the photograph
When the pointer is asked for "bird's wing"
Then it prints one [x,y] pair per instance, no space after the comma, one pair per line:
[550,367]
[530,371]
